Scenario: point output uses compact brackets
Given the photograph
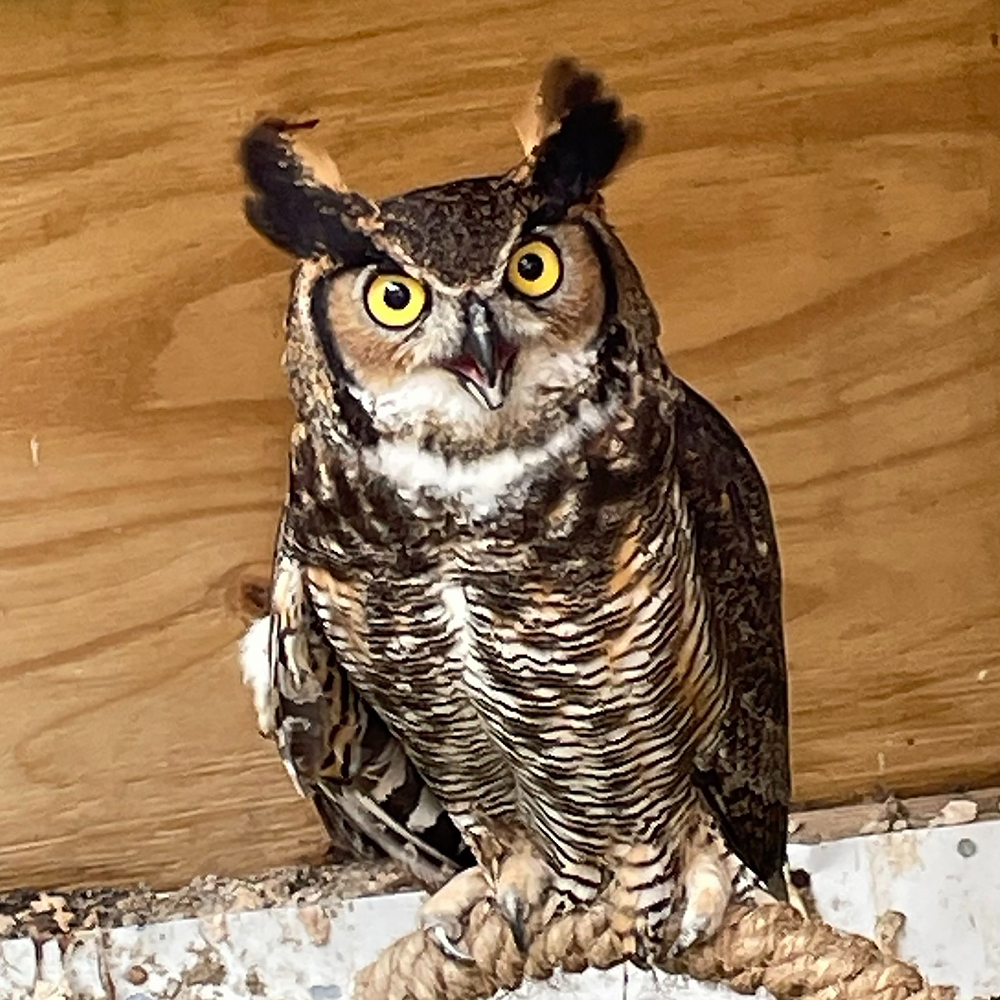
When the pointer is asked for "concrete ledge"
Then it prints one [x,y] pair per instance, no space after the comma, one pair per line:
[944,880]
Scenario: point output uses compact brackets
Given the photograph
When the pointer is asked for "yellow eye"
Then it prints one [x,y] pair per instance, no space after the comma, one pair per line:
[535,269]
[395,300]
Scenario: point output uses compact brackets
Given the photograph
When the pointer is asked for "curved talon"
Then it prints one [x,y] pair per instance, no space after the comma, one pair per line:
[520,889]
[682,942]
[708,888]
[444,915]
[439,935]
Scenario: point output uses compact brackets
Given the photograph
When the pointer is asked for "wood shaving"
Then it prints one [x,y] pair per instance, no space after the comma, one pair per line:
[316,923]
[54,906]
[43,915]
[215,929]
[51,991]
[956,812]
[888,928]
[875,826]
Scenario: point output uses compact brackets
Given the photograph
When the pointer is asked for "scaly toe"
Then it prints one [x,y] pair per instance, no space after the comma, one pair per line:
[521,885]
[515,912]
[708,888]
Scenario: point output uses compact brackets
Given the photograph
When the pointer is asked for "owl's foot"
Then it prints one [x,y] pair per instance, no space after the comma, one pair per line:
[520,886]
[444,915]
[708,888]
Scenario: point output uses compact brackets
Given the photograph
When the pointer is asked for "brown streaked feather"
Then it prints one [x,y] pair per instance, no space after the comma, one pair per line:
[746,779]
[626,566]
[298,200]
[343,599]
[585,138]
[337,749]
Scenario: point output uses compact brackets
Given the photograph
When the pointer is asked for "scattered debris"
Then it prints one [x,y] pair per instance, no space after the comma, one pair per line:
[137,975]
[208,970]
[888,928]
[878,825]
[254,984]
[215,929]
[956,811]
[45,915]
[51,991]
[891,814]
[316,923]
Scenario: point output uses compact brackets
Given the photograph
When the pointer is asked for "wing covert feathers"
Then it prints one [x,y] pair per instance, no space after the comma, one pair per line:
[746,780]
[336,749]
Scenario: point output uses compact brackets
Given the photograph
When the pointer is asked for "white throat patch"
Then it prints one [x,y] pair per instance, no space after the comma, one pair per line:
[482,483]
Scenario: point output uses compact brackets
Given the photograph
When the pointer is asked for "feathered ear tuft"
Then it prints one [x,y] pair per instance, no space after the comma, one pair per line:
[299,201]
[579,136]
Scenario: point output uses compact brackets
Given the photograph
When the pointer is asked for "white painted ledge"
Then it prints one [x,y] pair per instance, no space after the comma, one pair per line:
[945,880]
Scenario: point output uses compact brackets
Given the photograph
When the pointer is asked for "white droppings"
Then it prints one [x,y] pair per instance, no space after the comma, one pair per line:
[255,662]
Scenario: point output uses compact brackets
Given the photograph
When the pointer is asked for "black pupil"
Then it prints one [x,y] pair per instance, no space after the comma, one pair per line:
[396,295]
[530,267]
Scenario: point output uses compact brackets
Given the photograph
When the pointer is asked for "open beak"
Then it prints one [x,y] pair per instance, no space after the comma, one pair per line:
[485,360]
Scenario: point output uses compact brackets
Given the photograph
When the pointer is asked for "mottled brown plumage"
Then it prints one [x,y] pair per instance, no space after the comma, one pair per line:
[527,590]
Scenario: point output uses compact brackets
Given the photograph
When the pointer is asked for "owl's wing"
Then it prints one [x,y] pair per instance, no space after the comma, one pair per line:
[746,779]
[335,747]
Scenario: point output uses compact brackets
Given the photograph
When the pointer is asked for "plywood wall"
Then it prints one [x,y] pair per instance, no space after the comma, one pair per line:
[817,214]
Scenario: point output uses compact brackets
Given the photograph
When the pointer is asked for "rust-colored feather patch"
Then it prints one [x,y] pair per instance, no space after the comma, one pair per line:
[321,165]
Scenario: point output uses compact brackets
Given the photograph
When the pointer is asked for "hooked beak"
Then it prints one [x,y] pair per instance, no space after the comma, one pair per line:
[485,360]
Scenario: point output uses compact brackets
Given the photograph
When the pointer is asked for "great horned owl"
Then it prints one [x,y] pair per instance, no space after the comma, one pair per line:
[526,594]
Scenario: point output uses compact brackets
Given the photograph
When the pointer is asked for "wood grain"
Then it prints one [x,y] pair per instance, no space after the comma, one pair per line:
[817,213]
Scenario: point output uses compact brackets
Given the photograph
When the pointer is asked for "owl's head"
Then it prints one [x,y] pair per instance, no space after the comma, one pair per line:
[460,314]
